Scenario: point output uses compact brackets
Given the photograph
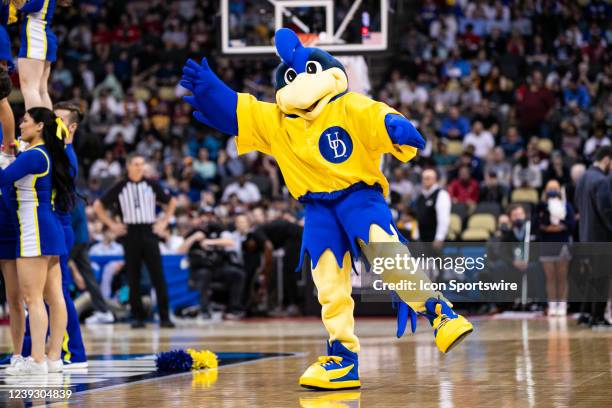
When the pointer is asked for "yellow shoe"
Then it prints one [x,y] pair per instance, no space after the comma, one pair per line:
[339,370]
[349,399]
[449,328]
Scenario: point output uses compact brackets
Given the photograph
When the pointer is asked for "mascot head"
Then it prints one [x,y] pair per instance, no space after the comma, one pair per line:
[307,78]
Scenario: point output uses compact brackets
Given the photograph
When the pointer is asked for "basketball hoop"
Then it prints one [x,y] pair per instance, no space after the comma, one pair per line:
[308,39]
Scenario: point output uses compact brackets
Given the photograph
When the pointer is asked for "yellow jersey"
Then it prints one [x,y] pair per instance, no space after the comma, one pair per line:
[341,147]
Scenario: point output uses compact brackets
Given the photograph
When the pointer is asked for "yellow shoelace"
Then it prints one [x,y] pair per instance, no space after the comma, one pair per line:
[329,359]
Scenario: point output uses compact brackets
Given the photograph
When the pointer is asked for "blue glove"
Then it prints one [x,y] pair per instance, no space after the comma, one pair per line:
[401,131]
[214,102]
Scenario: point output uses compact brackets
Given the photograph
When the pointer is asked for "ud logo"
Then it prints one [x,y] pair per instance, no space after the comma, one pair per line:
[335,145]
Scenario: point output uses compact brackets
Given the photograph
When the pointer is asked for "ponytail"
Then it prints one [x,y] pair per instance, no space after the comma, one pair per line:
[54,132]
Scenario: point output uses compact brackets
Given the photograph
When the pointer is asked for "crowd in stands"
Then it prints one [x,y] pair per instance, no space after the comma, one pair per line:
[509,95]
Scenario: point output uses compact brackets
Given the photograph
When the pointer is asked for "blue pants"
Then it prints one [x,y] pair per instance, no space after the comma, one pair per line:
[73,349]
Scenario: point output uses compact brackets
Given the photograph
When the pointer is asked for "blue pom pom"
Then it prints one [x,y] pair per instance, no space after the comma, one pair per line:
[175,361]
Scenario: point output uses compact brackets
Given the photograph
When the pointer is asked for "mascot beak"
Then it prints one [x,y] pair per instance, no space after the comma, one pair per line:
[308,94]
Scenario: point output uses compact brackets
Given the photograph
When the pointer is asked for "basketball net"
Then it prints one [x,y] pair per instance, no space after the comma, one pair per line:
[308,39]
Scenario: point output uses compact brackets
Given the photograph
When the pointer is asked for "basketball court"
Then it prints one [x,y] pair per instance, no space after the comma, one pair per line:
[519,362]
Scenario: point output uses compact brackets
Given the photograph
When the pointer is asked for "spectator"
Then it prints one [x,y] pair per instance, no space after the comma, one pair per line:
[402,185]
[108,246]
[555,224]
[464,189]
[526,173]
[512,144]
[535,103]
[205,168]
[594,142]
[127,129]
[215,256]
[575,92]
[481,139]
[515,260]
[432,208]
[498,165]
[246,191]
[557,170]
[454,126]
[148,146]
[106,167]
[492,191]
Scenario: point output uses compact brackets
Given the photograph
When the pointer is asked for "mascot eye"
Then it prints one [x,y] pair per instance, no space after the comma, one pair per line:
[313,67]
[290,75]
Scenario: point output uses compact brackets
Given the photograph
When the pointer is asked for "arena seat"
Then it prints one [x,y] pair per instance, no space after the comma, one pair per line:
[475,234]
[525,195]
[454,147]
[488,207]
[545,146]
[455,227]
[482,221]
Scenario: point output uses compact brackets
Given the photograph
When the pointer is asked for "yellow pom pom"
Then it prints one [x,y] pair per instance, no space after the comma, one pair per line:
[203,359]
[204,379]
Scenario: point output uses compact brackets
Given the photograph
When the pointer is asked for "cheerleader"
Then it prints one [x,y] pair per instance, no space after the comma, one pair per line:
[8,243]
[38,50]
[37,174]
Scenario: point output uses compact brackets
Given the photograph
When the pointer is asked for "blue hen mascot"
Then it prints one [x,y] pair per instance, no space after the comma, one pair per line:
[328,143]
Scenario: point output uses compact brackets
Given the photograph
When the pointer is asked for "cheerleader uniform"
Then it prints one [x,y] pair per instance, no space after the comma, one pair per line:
[5,41]
[39,231]
[73,349]
[37,40]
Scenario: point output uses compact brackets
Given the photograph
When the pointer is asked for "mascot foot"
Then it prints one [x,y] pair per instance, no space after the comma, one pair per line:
[449,328]
[339,370]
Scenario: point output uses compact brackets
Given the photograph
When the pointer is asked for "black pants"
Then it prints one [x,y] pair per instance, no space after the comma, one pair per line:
[597,287]
[233,277]
[290,276]
[141,244]
[80,256]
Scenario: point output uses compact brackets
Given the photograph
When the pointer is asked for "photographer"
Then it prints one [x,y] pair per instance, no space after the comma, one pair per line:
[215,256]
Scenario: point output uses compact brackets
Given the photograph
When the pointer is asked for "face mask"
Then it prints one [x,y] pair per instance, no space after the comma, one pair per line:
[504,228]
[552,194]
[518,223]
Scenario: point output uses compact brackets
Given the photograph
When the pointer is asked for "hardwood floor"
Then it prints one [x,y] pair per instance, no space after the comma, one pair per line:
[504,363]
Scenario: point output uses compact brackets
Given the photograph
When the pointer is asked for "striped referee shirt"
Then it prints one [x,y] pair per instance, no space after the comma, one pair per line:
[136,201]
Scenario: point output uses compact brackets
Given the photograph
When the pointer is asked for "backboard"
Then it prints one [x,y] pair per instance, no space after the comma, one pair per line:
[345,26]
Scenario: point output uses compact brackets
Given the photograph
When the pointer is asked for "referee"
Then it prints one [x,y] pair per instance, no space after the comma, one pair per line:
[135,199]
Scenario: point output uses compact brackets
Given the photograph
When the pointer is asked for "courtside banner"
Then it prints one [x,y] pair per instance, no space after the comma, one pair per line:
[484,271]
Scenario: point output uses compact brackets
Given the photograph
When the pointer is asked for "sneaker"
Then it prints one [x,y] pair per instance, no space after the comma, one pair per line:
[55,366]
[138,324]
[338,370]
[28,366]
[583,319]
[16,358]
[166,324]
[70,365]
[562,309]
[600,324]
[234,316]
[100,318]
[204,319]
[449,328]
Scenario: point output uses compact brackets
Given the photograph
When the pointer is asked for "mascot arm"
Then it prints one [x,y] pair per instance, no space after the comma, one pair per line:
[214,102]
[257,122]
[390,132]
[219,107]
